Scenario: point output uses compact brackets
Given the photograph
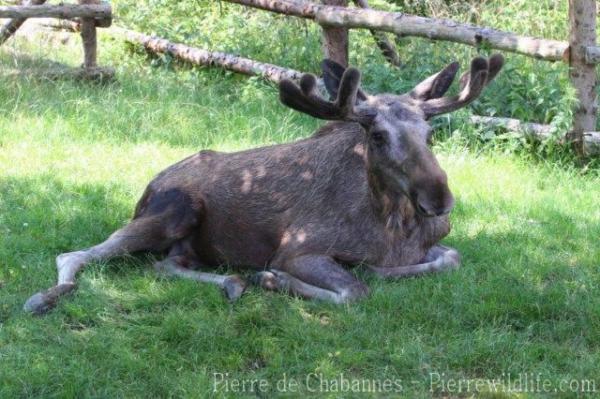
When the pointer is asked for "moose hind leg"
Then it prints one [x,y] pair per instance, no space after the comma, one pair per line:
[140,234]
[316,277]
[233,286]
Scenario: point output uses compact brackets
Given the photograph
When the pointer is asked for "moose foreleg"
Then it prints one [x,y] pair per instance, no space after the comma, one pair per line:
[314,277]
[233,286]
[439,258]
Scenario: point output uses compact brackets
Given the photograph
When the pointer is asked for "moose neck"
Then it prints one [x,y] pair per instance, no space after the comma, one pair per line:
[391,205]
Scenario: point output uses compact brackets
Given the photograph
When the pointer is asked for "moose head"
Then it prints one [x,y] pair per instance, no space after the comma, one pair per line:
[396,127]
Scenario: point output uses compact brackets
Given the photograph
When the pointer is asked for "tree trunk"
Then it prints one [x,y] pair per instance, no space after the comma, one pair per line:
[582,19]
[11,26]
[335,39]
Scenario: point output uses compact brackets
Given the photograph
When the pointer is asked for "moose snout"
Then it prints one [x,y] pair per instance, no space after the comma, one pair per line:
[430,211]
[438,204]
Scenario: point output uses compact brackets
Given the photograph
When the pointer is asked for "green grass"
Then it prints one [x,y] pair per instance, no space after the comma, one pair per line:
[74,158]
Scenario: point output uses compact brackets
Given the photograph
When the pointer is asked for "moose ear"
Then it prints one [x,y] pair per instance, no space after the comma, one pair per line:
[332,76]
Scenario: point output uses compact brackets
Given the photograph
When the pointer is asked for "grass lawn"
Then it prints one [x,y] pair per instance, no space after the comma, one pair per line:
[74,158]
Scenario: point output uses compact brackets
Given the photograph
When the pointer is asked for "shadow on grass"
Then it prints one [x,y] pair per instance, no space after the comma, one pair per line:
[513,305]
[45,216]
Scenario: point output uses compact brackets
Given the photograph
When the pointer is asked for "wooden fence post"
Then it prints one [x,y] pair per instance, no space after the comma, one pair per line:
[335,40]
[88,37]
[582,33]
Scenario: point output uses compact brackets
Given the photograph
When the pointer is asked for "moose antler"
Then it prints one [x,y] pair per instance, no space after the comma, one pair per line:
[436,85]
[471,84]
[332,75]
[306,98]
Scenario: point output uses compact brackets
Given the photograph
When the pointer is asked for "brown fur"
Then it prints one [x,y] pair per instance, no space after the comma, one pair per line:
[257,208]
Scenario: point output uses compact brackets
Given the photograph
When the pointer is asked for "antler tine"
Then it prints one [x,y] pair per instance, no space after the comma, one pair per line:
[302,100]
[346,97]
[495,62]
[436,85]
[482,72]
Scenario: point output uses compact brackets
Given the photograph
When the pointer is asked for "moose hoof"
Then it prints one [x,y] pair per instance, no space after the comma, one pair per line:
[37,304]
[266,280]
[451,259]
[44,301]
[234,287]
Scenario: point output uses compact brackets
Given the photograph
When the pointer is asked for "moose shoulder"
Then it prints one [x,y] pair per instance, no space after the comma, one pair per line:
[364,189]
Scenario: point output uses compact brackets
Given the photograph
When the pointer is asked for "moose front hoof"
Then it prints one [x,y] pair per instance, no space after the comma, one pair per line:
[42,302]
[38,304]
[451,259]
[234,287]
[266,280]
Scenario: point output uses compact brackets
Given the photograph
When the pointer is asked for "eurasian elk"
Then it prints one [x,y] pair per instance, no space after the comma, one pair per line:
[364,189]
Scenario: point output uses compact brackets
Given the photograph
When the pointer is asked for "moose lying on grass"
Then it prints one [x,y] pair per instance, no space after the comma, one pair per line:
[364,189]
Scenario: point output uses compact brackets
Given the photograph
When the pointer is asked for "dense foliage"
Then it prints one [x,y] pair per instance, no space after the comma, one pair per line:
[527,89]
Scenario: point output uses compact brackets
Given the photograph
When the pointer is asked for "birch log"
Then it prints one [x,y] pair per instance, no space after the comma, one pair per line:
[11,26]
[582,20]
[64,11]
[535,130]
[199,56]
[411,25]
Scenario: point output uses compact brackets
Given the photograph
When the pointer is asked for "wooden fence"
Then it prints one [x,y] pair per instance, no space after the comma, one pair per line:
[580,51]
[89,13]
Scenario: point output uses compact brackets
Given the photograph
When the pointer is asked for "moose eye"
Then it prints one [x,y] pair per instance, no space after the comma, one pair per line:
[378,138]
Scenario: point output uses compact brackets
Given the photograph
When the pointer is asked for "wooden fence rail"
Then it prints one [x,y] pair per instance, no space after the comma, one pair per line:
[198,56]
[11,27]
[65,11]
[411,25]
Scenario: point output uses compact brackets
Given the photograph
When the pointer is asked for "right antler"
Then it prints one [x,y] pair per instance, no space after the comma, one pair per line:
[306,98]
[481,73]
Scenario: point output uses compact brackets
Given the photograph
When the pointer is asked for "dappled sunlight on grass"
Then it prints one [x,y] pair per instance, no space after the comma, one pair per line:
[75,158]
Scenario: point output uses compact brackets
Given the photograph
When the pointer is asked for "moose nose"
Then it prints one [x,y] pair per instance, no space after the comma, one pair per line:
[424,210]
[435,208]
[430,211]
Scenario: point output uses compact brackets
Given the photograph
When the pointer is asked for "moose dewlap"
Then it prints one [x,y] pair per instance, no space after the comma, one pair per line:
[364,189]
